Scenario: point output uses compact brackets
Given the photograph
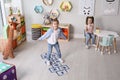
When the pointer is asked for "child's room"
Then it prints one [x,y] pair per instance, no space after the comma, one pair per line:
[59,39]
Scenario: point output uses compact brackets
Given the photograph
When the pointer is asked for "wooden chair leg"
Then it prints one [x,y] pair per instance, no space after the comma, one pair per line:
[115,46]
[97,44]
[109,50]
[84,40]
[99,48]
[102,50]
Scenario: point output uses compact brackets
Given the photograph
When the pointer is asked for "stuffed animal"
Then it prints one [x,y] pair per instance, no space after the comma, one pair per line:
[7,42]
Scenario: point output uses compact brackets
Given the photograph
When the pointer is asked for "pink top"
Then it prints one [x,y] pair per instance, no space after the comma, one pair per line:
[90,28]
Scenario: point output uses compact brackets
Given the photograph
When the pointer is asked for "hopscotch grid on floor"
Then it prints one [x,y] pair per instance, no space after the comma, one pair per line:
[56,66]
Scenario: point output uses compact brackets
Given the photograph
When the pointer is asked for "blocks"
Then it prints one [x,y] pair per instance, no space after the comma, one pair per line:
[7,71]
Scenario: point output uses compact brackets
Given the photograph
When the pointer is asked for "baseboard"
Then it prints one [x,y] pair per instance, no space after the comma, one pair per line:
[81,36]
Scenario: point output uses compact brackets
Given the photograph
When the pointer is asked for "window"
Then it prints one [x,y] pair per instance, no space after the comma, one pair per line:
[1,20]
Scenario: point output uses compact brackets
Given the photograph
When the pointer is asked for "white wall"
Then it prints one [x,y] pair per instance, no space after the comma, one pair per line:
[18,4]
[77,21]
[5,8]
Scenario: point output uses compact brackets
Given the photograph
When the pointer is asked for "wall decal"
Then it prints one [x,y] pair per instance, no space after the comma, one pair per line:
[110,7]
[48,2]
[47,19]
[54,14]
[66,6]
[86,7]
[38,9]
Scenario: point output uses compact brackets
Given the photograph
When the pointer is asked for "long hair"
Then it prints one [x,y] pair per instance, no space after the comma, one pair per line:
[89,17]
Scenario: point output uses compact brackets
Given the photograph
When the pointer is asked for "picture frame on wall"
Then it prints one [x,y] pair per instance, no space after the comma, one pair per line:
[110,7]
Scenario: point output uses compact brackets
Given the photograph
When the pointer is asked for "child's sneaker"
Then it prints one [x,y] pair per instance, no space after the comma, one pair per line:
[93,45]
[48,63]
[87,46]
[60,60]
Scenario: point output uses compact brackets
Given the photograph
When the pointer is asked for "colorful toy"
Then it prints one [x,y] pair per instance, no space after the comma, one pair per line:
[11,11]
[8,50]
[66,6]
[19,12]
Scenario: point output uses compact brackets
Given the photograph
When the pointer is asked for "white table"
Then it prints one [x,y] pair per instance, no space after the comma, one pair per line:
[104,33]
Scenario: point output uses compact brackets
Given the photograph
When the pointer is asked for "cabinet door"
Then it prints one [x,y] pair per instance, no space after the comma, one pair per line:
[65,31]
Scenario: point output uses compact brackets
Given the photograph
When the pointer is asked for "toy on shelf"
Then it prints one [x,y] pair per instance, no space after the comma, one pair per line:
[38,9]
[48,2]
[66,6]
[11,11]
[9,36]
[19,12]
[97,30]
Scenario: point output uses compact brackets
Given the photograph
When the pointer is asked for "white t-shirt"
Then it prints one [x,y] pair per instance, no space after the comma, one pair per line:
[53,37]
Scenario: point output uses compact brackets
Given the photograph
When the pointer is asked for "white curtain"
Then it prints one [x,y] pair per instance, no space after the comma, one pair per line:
[1,21]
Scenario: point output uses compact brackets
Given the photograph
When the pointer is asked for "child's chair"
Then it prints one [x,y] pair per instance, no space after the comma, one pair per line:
[106,42]
[85,38]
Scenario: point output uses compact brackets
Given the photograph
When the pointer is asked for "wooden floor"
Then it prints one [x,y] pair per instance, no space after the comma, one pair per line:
[85,64]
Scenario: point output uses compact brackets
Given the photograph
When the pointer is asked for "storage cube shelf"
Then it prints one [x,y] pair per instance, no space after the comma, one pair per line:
[64,27]
[19,20]
[36,31]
